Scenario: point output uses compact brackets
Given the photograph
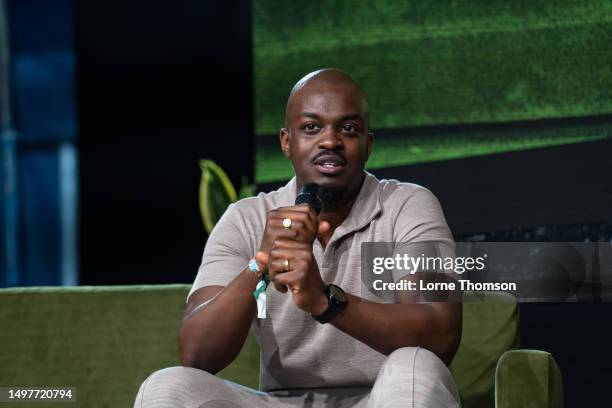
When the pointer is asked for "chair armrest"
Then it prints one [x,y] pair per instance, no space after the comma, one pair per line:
[528,378]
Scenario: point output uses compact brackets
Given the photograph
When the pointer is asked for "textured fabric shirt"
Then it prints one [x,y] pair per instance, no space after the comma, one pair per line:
[297,351]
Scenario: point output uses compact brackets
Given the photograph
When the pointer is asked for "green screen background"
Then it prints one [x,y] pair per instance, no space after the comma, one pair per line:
[439,74]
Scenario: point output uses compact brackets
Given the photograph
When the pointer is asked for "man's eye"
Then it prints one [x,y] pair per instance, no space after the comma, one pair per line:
[310,127]
[349,128]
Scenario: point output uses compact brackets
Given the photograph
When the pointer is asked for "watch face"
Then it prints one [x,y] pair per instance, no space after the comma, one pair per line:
[337,293]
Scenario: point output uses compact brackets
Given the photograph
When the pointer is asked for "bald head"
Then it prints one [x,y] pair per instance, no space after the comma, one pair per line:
[324,80]
[326,134]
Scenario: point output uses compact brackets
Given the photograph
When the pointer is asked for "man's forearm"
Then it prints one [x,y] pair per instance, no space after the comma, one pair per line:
[387,327]
[212,334]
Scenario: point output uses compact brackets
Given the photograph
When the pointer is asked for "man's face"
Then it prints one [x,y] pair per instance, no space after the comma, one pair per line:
[327,136]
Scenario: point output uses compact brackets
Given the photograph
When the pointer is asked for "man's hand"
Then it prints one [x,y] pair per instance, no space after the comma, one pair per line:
[304,226]
[303,278]
[304,229]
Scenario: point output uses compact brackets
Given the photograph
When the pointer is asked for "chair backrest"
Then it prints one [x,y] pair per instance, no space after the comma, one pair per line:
[104,341]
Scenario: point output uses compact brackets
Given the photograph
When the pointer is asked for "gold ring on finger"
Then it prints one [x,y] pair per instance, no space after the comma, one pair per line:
[287,223]
[286,264]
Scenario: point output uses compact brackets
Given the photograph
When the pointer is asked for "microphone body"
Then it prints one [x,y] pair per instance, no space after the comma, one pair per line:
[308,195]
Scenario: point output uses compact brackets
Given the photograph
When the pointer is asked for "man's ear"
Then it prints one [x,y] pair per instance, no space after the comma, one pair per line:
[284,142]
[370,142]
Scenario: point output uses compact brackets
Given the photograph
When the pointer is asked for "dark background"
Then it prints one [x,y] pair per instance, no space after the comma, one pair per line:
[161,85]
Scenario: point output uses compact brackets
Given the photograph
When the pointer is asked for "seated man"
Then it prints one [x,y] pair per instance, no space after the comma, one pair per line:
[324,342]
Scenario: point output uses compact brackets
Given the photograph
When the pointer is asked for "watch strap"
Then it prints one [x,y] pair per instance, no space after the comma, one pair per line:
[334,304]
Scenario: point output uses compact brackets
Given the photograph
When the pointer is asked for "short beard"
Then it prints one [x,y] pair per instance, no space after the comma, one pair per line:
[331,197]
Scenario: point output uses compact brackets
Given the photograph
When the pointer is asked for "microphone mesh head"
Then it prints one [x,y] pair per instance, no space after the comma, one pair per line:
[310,188]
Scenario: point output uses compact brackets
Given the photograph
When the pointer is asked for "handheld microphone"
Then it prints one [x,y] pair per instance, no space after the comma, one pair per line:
[308,195]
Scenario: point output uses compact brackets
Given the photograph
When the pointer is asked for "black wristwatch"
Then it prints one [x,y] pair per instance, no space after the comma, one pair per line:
[336,302]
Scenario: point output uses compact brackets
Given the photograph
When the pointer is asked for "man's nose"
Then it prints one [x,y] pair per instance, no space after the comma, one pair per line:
[330,139]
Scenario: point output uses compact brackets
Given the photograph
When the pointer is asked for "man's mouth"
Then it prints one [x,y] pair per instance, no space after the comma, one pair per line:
[330,164]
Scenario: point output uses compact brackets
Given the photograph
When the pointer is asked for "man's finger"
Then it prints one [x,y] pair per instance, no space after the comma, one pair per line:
[262,259]
[300,212]
[304,213]
[277,266]
[324,228]
[280,288]
[282,232]
[289,244]
[299,208]
[287,280]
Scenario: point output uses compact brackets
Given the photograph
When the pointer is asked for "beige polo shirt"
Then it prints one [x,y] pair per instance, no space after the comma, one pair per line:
[296,351]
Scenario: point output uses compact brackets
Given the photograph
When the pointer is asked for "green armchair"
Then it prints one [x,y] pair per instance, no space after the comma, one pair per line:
[106,340]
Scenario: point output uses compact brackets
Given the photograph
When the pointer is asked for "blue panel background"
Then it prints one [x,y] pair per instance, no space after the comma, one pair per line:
[44,69]
[2,236]
[40,224]
[44,97]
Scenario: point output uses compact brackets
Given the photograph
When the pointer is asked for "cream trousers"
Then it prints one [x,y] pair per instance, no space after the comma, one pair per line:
[410,377]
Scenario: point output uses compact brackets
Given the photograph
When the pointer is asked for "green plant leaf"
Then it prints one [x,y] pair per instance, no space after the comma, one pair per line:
[216,193]
[246,189]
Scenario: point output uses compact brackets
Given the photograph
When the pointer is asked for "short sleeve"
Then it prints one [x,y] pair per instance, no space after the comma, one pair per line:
[226,252]
[421,219]
[421,232]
